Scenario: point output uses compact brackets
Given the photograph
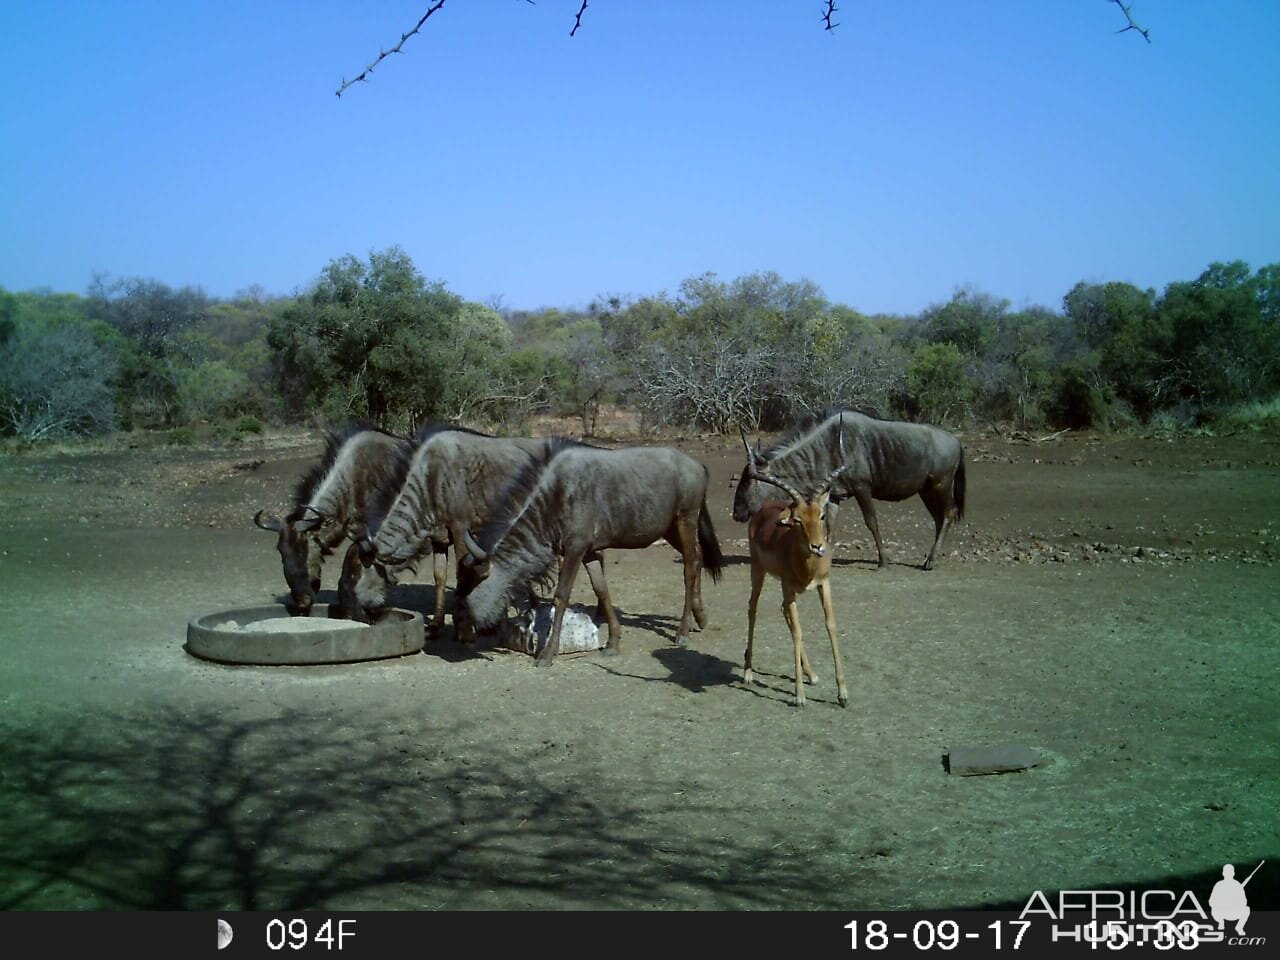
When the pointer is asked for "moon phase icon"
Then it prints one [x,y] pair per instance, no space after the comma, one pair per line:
[224,934]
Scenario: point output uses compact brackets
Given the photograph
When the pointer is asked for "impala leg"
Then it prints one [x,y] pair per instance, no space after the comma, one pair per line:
[828,611]
[793,621]
[594,562]
[809,675]
[564,590]
[757,583]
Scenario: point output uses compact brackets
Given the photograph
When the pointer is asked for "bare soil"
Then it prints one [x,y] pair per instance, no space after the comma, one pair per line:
[1111,603]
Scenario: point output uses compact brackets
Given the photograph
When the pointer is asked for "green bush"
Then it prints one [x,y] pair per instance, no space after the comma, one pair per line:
[181,437]
[248,424]
[938,382]
[1076,401]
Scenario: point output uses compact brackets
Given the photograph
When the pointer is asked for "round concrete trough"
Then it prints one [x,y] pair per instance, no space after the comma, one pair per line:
[398,633]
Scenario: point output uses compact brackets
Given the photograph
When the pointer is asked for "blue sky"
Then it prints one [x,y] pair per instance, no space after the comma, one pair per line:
[1013,147]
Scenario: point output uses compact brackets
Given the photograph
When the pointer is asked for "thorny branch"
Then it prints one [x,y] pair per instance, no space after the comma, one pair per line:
[828,14]
[577,21]
[1128,15]
[396,49]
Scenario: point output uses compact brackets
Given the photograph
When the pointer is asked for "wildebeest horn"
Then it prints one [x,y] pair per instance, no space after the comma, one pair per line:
[306,523]
[753,453]
[475,553]
[267,522]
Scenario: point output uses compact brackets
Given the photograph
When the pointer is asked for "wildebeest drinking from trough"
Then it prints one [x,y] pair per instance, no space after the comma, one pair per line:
[360,471]
[576,503]
[453,478]
[886,460]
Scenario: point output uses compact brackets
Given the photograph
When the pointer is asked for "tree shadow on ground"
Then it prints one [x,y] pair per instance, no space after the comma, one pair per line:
[178,811]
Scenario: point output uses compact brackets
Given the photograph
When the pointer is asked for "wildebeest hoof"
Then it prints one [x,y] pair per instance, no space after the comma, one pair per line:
[543,663]
[609,651]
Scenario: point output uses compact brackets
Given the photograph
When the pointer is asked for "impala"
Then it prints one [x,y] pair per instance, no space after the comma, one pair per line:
[788,541]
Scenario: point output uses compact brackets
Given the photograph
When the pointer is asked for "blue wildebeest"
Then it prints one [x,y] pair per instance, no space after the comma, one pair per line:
[361,467]
[885,460]
[573,505]
[453,478]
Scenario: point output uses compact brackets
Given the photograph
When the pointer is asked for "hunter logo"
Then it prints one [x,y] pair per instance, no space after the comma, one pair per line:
[1161,917]
[1228,900]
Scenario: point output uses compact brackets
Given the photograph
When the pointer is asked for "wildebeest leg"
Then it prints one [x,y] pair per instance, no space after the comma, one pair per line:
[440,573]
[564,590]
[829,525]
[868,505]
[828,612]
[936,501]
[683,535]
[594,562]
[757,582]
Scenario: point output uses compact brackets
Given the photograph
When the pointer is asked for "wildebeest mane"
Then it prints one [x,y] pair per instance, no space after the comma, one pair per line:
[310,481]
[519,490]
[387,486]
[809,422]
[429,429]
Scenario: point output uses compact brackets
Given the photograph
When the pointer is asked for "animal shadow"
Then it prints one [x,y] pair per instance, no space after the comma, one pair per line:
[661,625]
[695,670]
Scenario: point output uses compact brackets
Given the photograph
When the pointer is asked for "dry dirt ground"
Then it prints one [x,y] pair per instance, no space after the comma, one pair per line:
[1111,603]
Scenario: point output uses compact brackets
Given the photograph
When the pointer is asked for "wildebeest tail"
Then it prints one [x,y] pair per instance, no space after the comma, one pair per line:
[712,558]
[957,487]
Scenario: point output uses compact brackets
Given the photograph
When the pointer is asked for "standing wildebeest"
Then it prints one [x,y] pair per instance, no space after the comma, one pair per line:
[886,460]
[576,503]
[361,469]
[452,481]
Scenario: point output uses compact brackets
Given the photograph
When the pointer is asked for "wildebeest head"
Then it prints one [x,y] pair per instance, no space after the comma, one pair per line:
[369,581]
[300,555]
[743,505]
[473,569]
